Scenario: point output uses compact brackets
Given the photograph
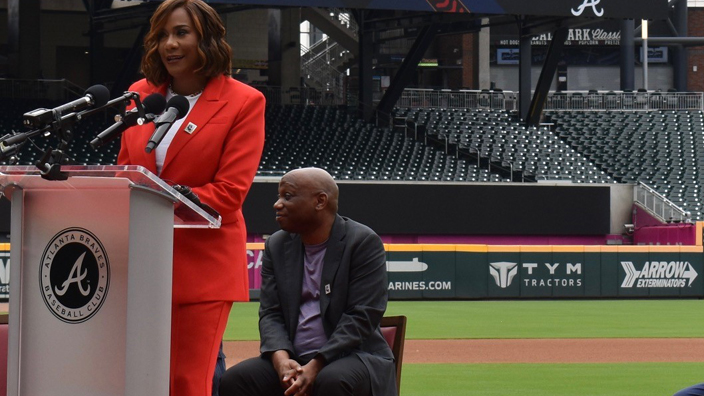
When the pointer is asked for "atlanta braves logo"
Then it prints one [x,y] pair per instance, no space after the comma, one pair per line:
[588,3]
[74,275]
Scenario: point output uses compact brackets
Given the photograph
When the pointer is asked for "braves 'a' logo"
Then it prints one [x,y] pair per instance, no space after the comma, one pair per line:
[76,276]
[588,3]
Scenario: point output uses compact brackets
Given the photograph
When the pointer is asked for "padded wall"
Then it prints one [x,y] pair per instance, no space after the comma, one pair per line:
[456,209]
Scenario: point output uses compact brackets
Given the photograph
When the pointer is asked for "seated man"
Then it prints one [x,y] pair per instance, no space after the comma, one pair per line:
[323,294]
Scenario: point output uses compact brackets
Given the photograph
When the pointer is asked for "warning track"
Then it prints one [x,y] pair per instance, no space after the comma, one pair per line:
[580,350]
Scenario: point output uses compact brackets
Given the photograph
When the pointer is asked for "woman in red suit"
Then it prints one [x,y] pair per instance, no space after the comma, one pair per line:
[215,149]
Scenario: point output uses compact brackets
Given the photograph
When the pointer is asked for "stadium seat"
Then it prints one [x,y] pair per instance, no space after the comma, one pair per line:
[659,148]
[394,330]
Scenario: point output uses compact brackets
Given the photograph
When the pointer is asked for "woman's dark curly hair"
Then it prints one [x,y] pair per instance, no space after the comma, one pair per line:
[213,50]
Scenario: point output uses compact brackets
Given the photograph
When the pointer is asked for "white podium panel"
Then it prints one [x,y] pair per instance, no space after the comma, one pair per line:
[73,295]
[90,301]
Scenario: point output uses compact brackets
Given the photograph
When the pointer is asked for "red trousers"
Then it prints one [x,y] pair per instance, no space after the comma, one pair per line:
[196,332]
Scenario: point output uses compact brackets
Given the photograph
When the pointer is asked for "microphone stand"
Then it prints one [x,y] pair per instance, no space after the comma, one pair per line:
[50,163]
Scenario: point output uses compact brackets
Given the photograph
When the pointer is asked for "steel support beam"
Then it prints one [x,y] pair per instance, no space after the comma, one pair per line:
[547,74]
[407,70]
[627,54]
[525,60]
[99,68]
[23,38]
[366,69]
[130,68]
[679,59]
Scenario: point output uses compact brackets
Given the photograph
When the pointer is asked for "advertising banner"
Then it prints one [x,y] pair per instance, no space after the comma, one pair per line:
[535,272]
[406,266]
[4,272]
[427,271]
[660,274]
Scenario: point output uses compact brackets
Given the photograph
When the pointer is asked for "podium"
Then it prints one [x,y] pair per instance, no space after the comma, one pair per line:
[90,280]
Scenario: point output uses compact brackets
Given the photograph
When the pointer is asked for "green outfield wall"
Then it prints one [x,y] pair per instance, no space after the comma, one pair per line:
[490,272]
[429,271]
[4,272]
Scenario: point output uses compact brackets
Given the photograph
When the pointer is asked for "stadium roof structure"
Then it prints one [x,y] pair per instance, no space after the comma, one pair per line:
[431,18]
[646,9]
[533,16]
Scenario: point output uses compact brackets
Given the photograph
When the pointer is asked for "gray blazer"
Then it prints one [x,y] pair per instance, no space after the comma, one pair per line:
[353,298]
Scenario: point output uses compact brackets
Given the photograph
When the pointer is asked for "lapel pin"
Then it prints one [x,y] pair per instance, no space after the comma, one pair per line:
[327,289]
[190,127]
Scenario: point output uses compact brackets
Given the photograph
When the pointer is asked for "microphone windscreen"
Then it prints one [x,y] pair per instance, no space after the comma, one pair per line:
[154,104]
[100,95]
[180,103]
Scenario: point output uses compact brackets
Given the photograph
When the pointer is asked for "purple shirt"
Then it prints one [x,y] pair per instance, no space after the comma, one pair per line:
[310,335]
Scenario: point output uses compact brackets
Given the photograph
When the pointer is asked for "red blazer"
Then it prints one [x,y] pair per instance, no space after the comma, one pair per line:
[218,160]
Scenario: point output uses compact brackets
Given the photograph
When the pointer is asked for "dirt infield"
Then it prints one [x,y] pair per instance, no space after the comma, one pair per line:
[597,350]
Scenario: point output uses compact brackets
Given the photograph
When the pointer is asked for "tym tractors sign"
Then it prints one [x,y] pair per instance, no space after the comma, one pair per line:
[537,275]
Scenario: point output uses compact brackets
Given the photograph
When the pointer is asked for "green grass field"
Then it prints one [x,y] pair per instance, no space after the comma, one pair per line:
[536,319]
[525,319]
[624,379]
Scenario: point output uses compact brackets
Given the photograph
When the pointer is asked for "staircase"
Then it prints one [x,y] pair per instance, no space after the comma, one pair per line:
[324,64]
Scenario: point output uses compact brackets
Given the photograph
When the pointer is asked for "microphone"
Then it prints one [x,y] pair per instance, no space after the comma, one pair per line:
[8,150]
[152,104]
[175,110]
[95,96]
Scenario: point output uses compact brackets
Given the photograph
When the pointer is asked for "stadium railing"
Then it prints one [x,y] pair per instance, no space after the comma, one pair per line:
[592,100]
[640,100]
[58,90]
[278,96]
[446,98]
[661,207]
[321,63]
